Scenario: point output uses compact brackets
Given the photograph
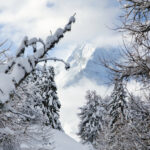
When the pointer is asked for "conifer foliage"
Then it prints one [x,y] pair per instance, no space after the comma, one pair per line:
[117,112]
[91,118]
[117,105]
[48,91]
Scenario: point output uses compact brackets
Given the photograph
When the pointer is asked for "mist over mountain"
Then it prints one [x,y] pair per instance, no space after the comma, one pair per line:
[85,63]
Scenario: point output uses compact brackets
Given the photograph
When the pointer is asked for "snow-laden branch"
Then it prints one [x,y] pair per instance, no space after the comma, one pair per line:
[21,114]
[21,66]
[67,65]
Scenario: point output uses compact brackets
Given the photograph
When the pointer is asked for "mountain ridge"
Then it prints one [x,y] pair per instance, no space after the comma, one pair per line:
[85,63]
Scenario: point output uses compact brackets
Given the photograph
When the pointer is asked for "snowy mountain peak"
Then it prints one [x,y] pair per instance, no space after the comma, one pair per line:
[81,56]
[85,63]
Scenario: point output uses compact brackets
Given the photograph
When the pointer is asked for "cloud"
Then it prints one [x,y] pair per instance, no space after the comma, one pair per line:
[74,97]
[50,4]
[37,18]
[138,89]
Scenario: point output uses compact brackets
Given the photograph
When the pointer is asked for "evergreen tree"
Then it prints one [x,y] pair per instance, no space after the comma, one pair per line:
[91,119]
[43,97]
[48,91]
[117,105]
[117,110]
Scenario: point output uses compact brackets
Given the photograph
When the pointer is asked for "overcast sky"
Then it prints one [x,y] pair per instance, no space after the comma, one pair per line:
[38,17]
[94,18]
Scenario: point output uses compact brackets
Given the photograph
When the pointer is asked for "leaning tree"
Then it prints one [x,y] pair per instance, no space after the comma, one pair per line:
[13,73]
[21,65]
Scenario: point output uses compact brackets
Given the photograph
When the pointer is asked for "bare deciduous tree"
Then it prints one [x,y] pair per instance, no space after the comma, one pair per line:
[136,54]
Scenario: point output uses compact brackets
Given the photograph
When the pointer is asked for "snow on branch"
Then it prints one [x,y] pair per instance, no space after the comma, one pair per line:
[67,65]
[21,66]
[21,114]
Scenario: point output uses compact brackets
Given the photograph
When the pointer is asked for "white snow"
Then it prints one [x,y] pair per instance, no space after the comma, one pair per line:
[45,138]
[78,61]
[18,68]
[33,40]
[68,27]
[72,19]
[59,32]
[6,130]
[64,142]
[6,86]
[39,53]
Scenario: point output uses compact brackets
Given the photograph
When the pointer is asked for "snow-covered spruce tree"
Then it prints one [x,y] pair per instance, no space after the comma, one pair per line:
[91,119]
[27,106]
[117,109]
[117,103]
[47,89]
[31,100]
[102,138]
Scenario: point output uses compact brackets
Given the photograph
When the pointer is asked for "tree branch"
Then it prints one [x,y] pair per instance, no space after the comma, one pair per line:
[67,65]
[20,67]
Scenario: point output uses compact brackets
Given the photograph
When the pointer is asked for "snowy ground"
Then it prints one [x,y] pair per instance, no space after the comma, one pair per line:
[64,142]
[44,138]
[37,137]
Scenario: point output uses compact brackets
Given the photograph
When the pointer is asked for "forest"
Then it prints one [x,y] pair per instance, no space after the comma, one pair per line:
[29,97]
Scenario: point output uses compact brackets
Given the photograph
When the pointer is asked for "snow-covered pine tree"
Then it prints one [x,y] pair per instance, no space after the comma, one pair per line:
[117,105]
[32,101]
[91,119]
[48,91]
[117,111]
